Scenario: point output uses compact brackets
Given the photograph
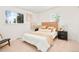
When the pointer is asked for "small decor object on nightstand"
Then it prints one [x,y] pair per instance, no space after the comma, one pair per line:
[63,35]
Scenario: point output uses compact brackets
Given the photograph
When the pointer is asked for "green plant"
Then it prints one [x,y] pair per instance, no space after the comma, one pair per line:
[56,17]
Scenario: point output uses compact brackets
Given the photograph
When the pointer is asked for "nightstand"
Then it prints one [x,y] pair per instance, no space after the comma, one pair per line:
[63,35]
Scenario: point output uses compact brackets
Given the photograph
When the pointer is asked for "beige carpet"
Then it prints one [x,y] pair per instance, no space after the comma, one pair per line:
[59,46]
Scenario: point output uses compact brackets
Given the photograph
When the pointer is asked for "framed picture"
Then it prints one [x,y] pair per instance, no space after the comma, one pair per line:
[13,17]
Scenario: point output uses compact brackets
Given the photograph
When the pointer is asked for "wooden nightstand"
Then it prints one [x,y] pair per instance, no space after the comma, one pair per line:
[63,35]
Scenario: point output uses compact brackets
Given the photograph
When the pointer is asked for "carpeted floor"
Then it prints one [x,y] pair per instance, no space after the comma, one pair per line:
[59,46]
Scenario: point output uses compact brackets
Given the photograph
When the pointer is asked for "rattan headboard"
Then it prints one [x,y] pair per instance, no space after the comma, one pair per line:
[51,24]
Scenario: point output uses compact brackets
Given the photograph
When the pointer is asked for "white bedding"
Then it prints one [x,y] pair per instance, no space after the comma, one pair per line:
[39,39]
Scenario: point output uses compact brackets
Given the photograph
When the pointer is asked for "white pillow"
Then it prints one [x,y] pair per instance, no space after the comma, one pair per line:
[44,30]
[52,28]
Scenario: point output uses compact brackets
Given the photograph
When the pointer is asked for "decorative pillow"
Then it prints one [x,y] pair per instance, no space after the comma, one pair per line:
[52,28]
[43,27]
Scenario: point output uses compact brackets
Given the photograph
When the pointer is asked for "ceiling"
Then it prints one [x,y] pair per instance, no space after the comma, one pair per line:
[37,9]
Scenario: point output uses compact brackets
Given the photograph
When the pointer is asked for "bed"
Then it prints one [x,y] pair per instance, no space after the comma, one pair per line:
[43,38]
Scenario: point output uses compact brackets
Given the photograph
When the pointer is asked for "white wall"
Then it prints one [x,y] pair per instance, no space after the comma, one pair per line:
[14,30]
[69,18]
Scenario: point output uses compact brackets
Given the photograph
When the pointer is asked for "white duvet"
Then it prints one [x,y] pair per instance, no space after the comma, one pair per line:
[40,41]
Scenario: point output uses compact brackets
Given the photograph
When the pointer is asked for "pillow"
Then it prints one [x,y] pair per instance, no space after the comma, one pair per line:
[43,27]
[44,30]
[52,28]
